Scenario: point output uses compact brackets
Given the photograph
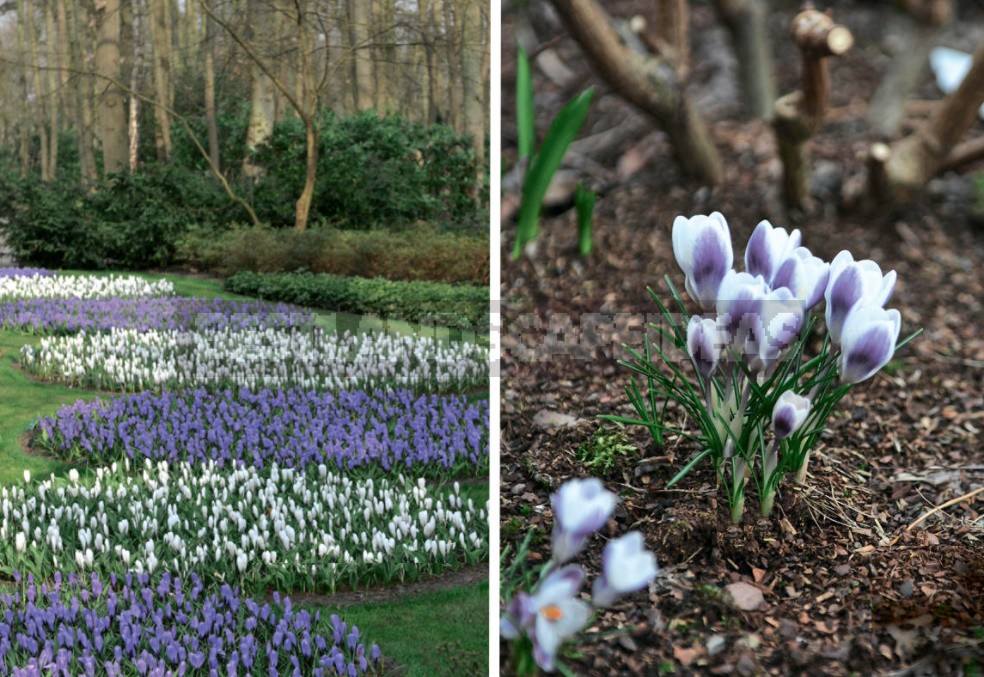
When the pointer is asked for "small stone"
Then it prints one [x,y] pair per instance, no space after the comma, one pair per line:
[842,569]
[547,419]
[745,595]
[788,629]
[715,645]
[906,589]
[746,666]
[518,489]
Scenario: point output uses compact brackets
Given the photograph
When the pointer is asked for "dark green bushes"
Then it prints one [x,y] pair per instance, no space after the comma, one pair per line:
[458,306]
[373,173]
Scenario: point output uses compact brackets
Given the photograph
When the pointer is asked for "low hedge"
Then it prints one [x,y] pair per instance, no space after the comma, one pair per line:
[432,303]
[418,253]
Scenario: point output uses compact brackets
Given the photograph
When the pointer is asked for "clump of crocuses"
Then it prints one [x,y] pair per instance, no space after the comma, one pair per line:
[758,395]
[541,617]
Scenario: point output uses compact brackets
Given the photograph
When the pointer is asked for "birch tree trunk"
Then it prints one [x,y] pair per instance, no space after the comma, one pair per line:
[138,65]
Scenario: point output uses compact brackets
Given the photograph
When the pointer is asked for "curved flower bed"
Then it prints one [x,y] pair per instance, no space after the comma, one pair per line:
[134,624]
[276,528]
[151,313]
[40,286]
[130,360]
[293,428]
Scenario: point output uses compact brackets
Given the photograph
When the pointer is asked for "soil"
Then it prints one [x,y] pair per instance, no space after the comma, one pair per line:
[852,583]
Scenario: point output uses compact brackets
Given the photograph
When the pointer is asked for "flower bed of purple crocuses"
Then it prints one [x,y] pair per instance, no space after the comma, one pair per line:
[69,315]
[136,624]
[294,428]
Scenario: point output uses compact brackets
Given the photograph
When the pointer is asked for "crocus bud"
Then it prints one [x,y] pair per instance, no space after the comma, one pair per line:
[868,341]
[853,283]
[781,322]
[767,248]
[580,507]
[789,414]
[702,247]
[804,275]
[703,344]
[626,567]
[27,476]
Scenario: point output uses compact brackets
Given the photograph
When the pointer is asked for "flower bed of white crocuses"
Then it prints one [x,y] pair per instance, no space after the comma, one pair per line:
[129,360]
[81,286]
[275,527]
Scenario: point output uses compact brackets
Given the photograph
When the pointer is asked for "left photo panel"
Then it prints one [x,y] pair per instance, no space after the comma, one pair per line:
[245,337]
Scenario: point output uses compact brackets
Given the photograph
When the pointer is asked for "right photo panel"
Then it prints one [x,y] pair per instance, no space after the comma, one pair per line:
[742,375]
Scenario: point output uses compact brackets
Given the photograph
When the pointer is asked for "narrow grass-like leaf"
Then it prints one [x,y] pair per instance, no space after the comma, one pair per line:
[544,164]
[525,121]
[584,202]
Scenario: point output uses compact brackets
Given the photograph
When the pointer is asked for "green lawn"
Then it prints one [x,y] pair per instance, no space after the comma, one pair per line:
[437,633]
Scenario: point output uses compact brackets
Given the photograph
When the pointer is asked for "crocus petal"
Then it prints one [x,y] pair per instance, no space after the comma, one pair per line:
[554,624]
[704,344]
[739,308]
[805,275]
[702,247]
[767,248]
[789,413]
[868,342]
[626,567]
[781,321]
[854,283]
[581,507]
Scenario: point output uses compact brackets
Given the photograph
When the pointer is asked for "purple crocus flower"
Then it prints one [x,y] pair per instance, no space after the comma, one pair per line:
[853,283]
[557,613]
[702,247]
[868,339]
[580,507]
[626,567]
[805,275]
[739,308]
[767,248]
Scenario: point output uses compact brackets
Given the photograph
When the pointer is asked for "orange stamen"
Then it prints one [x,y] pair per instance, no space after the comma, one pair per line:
[552,613]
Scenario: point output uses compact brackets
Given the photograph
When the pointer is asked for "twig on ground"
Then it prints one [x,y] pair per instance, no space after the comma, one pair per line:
[942,506]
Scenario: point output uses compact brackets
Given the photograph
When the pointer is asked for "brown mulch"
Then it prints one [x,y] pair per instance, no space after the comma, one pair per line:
[849,587]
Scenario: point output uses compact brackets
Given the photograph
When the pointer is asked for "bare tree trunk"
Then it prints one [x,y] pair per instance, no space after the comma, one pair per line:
[898,172]
[745,20]
[138,64]
[650,84]
[162,68]
[210,121]
[262,107]
[798,115]
[907,67]
[112,113]
[452,62]
[37,85]
[26,119]
[309,104]
[308,117]
[359,27]
[673,33]
[438,78]
[471,70]
[52,95]
[63,59]
[77,37]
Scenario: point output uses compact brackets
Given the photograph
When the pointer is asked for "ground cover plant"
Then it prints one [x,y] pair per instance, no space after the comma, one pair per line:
[71,315]
[392,430]
[42,284]
[126,359]
[458,306]
[301,491]
[276,528]
[872,565]
[163,624]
